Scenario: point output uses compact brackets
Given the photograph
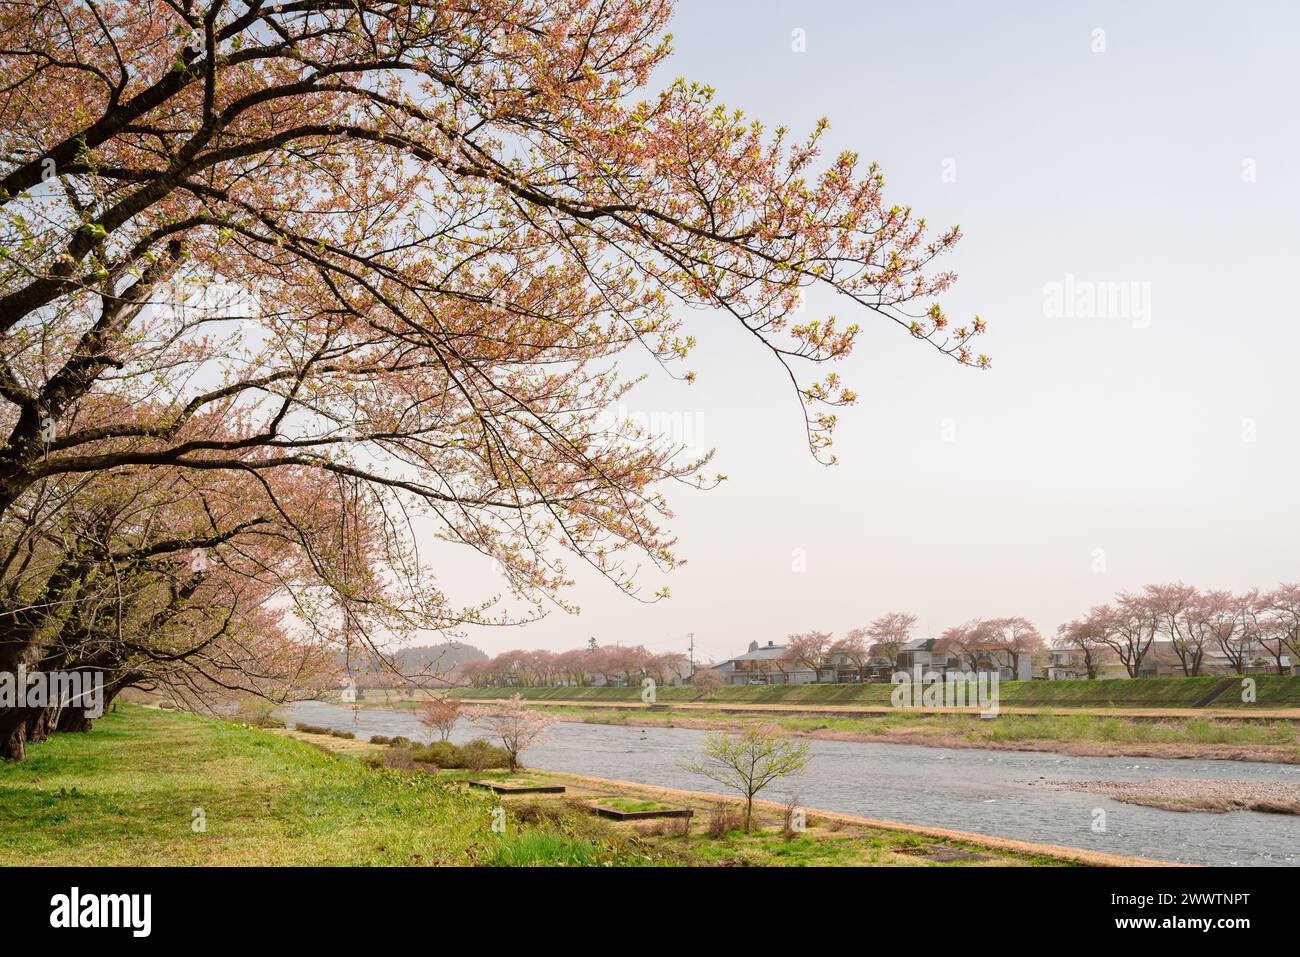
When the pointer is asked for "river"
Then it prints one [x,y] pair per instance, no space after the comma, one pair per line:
[987,792]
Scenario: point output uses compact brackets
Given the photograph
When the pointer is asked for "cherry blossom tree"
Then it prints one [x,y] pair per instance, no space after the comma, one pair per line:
[603,662]
[440,224]
[969,642]
[888,634]
[440,714]
[1284,609]
[854,647]
[808,649]
[708,680]
[1225,628]
[400,247]
[667,666]
[572,666]
[1015,638]
[165,581]
[513,724]
[1261,628]
[1084,635]
[1128,628]
[1183,614]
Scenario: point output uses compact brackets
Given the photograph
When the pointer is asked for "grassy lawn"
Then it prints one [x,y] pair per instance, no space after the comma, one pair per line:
[827,841]
[632,804]
[126,792]
[769,848]
[1064,727]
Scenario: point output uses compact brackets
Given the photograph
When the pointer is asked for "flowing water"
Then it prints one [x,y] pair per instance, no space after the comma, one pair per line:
[987,792]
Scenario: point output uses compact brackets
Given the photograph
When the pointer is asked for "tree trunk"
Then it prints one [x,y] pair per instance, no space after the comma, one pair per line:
[73,719]
[38,725]
[13,743]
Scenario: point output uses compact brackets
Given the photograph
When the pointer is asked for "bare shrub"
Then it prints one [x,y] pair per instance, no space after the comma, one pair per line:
[722,820]
[791,827]
[399,759]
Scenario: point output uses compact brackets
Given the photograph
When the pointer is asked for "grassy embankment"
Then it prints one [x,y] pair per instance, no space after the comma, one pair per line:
[1216,692]
[126,793]
[1276,741]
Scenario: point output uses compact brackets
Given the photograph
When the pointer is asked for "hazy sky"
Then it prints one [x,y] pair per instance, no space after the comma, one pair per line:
[1102,451]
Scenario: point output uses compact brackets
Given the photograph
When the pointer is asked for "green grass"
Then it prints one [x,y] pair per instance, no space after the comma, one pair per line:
[631,804]
[1009,728]
[1272,691]
[126,793]
[1092,728]
[876,848]
[544,850]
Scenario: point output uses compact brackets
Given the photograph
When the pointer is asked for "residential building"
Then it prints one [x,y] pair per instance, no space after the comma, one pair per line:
[763,665]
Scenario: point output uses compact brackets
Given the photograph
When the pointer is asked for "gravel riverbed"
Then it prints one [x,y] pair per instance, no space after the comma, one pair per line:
[1194,794]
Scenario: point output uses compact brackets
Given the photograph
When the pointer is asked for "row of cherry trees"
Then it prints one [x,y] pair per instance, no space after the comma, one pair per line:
[980,643]
[1241,629]
[542,668]
[290,288]
[1175,620]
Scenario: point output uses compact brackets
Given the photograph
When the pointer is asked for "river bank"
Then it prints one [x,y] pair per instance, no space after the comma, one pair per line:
[1077,735]
[829,837]
[973,790]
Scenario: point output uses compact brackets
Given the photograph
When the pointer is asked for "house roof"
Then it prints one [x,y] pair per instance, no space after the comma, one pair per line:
[765,653]
[768,652]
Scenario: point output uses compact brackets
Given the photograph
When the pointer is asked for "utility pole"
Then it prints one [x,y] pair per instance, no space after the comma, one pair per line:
[691,635]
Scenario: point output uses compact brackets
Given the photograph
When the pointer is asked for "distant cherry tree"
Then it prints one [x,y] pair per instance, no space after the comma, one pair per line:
[808,649]
[708,681]
[889,634]
[441,714]
[513,724]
